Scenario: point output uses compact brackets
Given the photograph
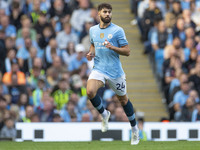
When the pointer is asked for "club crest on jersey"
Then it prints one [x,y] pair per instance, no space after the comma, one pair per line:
[110,36]
[102,35]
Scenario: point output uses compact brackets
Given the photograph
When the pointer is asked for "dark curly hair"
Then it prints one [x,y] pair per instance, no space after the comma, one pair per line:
[104,5]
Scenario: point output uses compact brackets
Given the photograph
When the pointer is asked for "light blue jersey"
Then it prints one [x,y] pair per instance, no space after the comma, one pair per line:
[106,60]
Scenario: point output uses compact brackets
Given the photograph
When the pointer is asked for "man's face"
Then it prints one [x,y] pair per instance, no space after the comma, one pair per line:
[105,15]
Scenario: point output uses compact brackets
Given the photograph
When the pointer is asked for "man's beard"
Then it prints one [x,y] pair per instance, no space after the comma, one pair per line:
[106,20]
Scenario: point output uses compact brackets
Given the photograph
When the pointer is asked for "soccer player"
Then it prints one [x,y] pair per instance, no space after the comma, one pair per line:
[108,41]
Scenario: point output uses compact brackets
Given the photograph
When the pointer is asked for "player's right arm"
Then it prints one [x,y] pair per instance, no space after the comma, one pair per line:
[91,53]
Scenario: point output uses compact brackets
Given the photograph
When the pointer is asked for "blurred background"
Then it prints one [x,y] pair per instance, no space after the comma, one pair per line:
[44,71]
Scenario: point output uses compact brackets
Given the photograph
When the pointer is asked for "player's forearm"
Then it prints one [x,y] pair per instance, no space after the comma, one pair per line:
[125,51]
[92,49]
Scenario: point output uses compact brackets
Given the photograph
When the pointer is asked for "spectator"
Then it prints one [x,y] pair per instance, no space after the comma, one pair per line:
[190,33]
[10,30]
[35,118]
[27,7]
[58,65]
[189,45]
[85,117]
[79,15]
[187,19]
[60,10]
[196,113]
[172,69]
[57,118]
[78,58]
[77,86]
[46,113]
[29,113]
[45,5]
[3,104]
[142,6]
[151,14]
[186,112]
[15,89]
[22,103]
[142,133]
[14,112]
[190,63]
[56,24]
[7,77]
[32,80]
[160,38]
[41,24]
[11,56]
[69,113]
[80,103]
[8,131]
[67,53]
[45,36]
[96,117]
[10,43]
[194,95]
[51,51]
[62,94]
[172,16]
[174,49]
[28,63]
[15,14]
[52,76]
[175,84]
[180,99]
[66,36]
[65,75]
[24,52]
[94,15]
[4,91]
[195,78]
[4,115]
[118,114]
[37,62]
[38,92]
[2,49]
[89,22]
[179,30]
[34,14]
[20,42]
[26,23]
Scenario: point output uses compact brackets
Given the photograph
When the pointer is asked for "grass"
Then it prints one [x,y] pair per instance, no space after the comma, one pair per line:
[97,145]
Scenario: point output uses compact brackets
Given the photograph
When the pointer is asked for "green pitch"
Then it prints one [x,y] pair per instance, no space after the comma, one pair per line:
[97,145]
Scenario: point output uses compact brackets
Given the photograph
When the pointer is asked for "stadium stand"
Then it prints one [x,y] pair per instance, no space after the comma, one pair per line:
[170,34]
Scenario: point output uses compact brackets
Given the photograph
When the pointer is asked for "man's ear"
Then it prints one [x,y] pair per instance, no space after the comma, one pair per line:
[99,13]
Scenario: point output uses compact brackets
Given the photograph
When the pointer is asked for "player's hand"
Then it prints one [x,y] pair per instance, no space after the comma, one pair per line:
[90,55]
[107,44]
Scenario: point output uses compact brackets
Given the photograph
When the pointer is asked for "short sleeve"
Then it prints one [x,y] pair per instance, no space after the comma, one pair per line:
[91,40]
[121,38]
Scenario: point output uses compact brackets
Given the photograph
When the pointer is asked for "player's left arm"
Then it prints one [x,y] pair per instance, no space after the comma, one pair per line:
[123,50]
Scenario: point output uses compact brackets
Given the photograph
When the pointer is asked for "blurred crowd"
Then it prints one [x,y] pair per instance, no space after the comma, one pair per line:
[43,68]
[170,32]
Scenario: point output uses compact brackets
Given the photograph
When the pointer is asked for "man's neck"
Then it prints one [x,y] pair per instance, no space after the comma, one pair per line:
[104,25]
